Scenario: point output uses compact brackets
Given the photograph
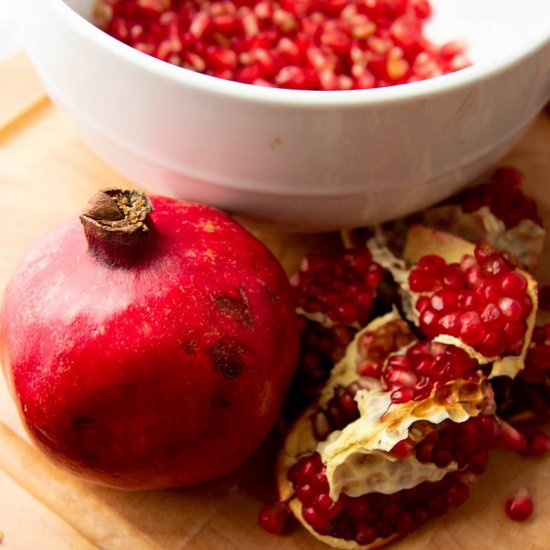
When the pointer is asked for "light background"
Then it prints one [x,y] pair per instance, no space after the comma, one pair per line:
[9,31]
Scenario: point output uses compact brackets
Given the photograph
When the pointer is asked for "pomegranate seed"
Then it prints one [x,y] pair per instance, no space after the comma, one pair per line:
[403,449]
[273,518]
[538,444]
[457,494]
[511,439]
[520,506]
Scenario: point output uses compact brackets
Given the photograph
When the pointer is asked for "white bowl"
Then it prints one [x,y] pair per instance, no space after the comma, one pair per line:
[314,160]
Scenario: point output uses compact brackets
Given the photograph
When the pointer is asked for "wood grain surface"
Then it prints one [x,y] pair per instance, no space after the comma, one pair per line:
[46,175]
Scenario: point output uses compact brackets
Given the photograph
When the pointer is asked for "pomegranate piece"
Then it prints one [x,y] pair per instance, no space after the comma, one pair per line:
[308,45]
[497,211]
[479,301]
[135,336]
[337,289]
[519,507]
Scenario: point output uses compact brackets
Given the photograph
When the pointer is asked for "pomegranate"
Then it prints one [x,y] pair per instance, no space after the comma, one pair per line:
[306,44]
[150,343]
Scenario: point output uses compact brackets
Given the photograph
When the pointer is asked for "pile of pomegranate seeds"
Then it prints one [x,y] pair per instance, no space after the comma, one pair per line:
[296,44]
[482,300]
[342,286]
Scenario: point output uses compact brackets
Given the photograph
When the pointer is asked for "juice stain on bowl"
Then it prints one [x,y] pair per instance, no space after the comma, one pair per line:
[294,44]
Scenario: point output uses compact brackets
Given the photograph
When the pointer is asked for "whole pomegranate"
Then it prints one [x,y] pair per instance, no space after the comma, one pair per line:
[150,343]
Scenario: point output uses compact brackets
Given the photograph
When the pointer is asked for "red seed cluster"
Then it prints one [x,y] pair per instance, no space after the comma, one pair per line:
[425,366]
[298,44]
[340,411]
[342,286]
[321,348]
[375,515]
[537,362]
[375,346]
[482,300]
[504,197]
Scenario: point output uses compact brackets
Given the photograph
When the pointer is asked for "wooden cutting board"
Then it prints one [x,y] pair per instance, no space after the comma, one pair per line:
[46,175]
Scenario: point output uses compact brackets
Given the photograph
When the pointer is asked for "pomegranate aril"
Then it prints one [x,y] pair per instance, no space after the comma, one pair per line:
[273,518]
[519,507]
[315,519]
[457,494]
[538,444]
[511,439]
[365,533]
[472,330]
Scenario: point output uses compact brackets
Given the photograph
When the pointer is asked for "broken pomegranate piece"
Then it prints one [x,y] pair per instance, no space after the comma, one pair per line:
[497,211]
[337,289]
[363,467]
[470,296]
[335,295]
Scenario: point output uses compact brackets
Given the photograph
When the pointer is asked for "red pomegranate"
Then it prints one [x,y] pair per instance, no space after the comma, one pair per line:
[150,343]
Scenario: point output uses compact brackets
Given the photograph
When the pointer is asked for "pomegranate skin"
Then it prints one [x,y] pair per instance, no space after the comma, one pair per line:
[162,374]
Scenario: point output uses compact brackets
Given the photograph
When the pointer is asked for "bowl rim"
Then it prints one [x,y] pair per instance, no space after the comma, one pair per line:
[312,99]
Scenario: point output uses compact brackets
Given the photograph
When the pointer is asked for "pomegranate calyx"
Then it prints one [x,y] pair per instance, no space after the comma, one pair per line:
[118,210]
[115,222]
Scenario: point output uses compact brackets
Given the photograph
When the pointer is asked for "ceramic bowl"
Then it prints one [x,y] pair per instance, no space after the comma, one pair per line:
[303,159]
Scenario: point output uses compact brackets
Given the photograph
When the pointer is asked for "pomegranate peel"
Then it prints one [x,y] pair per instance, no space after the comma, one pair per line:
[135,336]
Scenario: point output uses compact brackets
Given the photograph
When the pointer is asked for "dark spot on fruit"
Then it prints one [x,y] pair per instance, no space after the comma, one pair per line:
[221,401]
[190,346]
[228,358]
[236,308]
[81,422]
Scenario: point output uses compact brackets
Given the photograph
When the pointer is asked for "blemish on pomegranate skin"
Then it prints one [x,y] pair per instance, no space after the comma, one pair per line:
[190,346]
[209,227]
[276,143]
[236,308]
[227,357]
[80,423]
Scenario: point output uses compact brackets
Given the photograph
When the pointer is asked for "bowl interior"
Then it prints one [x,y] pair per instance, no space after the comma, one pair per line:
[489,27]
